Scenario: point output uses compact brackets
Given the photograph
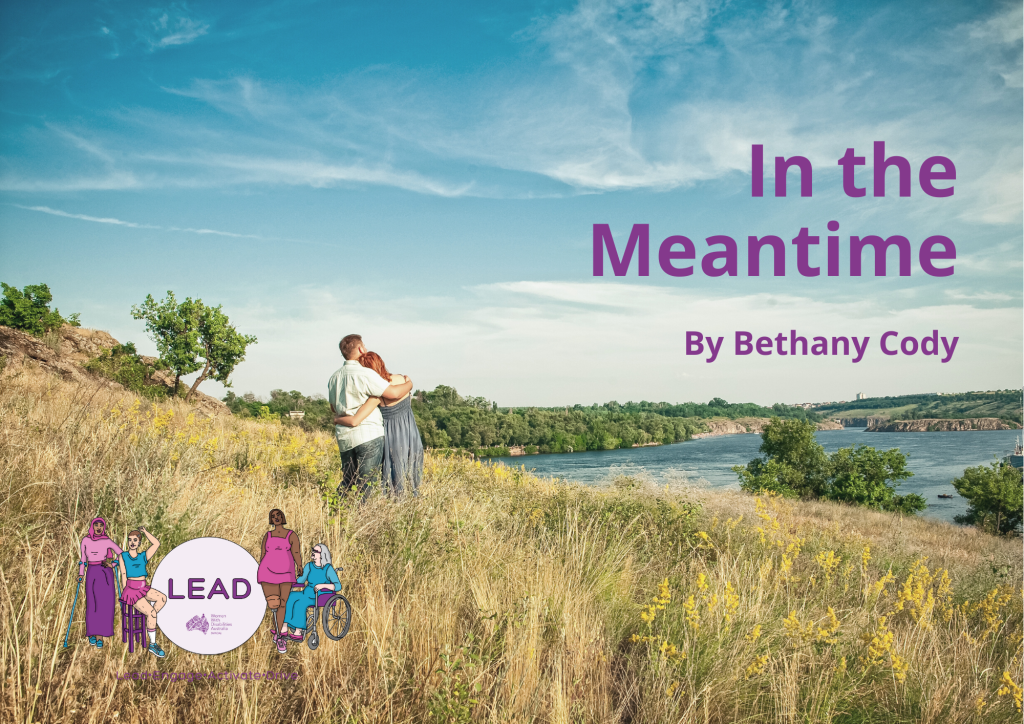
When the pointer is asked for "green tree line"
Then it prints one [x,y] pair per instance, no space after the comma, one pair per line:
[1004,404]
[446,419]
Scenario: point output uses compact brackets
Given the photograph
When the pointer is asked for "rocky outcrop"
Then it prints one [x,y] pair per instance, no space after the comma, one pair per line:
[744,425]
[862,421]
[57,355]
[75,346]
[936,425]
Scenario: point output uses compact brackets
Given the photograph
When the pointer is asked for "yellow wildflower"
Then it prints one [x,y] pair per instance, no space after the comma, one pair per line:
[731,601]
[692,614]
[827,633]
[828,562]
[756,666]
[1010,688]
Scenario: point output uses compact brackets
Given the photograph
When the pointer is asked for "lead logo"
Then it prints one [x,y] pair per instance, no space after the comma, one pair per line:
[210,607]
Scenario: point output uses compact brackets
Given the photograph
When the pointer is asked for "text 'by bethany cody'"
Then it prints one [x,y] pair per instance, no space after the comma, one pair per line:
[891,344]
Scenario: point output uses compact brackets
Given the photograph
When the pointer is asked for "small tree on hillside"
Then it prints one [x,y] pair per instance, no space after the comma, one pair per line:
[29,310]
[792,462]
[861,475]
[191,336]
[995,495]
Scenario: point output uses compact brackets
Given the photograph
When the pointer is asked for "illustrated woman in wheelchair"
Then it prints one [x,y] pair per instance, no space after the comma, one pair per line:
[321,589]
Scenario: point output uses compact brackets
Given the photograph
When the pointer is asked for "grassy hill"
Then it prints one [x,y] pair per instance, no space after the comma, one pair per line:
[1003,404]
[495,595]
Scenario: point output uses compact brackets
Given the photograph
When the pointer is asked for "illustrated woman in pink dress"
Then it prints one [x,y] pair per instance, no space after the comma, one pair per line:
[280,566]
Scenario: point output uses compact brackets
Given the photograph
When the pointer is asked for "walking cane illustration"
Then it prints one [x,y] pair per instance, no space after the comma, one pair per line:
[66,633]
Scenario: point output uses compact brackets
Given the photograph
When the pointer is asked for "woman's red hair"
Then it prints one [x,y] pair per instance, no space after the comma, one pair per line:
[375,363]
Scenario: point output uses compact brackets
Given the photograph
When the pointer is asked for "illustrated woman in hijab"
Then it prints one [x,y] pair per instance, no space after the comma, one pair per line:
[318,576]
[96,565]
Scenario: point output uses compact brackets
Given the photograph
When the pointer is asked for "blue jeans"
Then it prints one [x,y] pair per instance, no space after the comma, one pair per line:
[361,467]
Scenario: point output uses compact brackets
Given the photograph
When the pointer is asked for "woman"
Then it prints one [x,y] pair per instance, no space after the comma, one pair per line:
[318,575]
[280,565]
[147,601]
[403,449]
[97,556]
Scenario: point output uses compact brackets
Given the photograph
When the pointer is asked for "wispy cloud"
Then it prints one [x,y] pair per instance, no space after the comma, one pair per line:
[134,225]
[606,95]
[115,181]
[173,25]
[85,217]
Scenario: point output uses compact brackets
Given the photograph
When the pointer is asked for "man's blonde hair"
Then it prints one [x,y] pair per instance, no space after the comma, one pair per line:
[349,344]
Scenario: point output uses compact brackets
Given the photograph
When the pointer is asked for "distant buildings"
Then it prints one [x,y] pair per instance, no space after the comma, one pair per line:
[860,396]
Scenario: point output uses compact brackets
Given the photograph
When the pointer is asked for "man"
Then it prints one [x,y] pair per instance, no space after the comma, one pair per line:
[362,446]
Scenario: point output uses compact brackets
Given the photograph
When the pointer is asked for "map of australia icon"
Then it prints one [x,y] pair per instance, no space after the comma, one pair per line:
[198,623]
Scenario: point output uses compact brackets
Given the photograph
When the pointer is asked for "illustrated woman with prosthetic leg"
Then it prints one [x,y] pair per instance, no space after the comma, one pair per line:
[280,565]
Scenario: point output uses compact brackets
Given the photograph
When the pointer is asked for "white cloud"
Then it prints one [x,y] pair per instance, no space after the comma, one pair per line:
[134,225]
[606,96]
[552,343]
[166,27]
[84,217]
[308,172]
[114,181]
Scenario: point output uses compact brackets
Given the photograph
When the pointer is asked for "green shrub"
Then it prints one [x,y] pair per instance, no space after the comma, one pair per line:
[29,310]
[995,495]
[795,465]
[123,365]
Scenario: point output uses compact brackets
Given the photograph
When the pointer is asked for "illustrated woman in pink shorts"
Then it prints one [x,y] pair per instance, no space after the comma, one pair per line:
[147,601]
[280,566]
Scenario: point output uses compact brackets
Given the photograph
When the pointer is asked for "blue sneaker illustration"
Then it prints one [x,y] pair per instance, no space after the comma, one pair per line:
[156,651]
[92,640]
[99,642]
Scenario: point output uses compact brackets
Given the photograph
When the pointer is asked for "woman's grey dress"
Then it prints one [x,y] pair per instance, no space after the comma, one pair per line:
[403,450]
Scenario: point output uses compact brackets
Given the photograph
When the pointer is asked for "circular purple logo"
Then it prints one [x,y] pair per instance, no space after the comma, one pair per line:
[214,604]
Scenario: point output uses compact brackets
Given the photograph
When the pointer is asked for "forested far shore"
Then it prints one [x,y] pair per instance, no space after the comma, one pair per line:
[446,419]
[1001,404]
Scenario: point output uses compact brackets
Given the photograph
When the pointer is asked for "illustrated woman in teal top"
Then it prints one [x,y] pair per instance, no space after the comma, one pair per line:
[147,601]
[318,575]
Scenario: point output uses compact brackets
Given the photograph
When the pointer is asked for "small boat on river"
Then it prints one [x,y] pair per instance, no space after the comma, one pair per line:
[945,495]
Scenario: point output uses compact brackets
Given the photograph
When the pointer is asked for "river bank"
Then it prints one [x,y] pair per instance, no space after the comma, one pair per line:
[934,459]
[744,425]
[943,425]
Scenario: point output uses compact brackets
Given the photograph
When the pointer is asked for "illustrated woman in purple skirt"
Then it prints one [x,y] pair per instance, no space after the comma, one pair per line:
[147,601]
[96,565]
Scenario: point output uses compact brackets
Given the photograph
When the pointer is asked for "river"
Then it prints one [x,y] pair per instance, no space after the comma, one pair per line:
[935,458]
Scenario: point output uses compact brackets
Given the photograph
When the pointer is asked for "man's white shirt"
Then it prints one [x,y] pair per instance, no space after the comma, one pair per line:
[347,390]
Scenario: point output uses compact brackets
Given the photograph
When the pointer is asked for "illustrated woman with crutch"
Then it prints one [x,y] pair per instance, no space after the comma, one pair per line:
[96,566]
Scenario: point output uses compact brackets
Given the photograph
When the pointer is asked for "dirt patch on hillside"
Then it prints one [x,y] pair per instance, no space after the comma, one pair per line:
[65,356]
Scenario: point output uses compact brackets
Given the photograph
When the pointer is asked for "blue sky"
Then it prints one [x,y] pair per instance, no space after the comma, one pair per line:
[429,177]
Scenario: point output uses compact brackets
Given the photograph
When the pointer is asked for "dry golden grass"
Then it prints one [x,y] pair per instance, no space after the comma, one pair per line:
[495,596]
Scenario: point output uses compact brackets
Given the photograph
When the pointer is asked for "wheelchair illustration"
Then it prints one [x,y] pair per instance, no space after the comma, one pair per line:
[337,617]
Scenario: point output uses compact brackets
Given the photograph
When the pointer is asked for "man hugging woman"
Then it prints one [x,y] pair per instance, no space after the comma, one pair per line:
[374,424]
